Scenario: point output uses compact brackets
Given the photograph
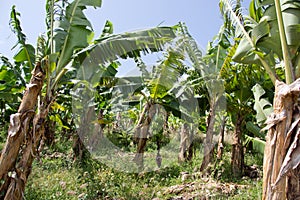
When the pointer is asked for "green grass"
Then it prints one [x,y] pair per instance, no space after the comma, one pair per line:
[59,177]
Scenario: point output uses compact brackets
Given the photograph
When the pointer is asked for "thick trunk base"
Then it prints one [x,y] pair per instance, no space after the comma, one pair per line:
[23,140]
[281,160]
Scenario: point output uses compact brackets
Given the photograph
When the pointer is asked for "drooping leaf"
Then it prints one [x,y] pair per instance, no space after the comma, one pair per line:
[253,128]
[291,17]
[292,158]
[258,145]
[166,75]
[259,31]
[26,51]
[109,49]
[15,25]
[262,106]
[187,45]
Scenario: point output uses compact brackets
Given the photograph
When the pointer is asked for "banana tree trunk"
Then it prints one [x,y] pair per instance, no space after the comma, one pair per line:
[281,178]
[23,138]
[93,133]
[141,135]
[221,140]
[237,156]
[208,143]
[142,141]
[182,156]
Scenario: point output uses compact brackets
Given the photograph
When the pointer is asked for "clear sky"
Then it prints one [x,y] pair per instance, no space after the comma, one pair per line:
[202,18]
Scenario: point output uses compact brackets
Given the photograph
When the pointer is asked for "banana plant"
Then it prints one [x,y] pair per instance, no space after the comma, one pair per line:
[166,85]
[269,37]
[157,92]
[68,41]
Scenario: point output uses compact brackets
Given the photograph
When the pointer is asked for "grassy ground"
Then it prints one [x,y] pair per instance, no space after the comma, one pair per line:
[57,176]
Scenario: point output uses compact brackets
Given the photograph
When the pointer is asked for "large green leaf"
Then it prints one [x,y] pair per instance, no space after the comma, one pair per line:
[253,128]
[265,37]
[260,31]
[73,31]
[3,74]
[109,49]
[265,34]
[26,52]
[262,106]
[258,145]
[15,25]
[166,75]
[291,18]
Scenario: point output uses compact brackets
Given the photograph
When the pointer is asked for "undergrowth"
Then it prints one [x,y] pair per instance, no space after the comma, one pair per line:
[57,176]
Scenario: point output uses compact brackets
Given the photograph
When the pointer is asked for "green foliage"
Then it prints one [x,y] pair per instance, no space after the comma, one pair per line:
[253,128]
[258,145]
[11,87]
[73,30]
[15,25]
[25,56]
[265,39]
[108,29]
[69,44]
[60,178]
[110,48]
[165,75]
[260,36]
[262,106]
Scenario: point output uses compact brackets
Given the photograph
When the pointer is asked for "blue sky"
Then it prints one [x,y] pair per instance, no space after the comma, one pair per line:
[202,18]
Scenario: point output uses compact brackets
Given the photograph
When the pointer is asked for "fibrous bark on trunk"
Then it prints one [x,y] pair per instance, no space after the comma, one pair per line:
[208,143]
[184,143]
[281,179]
[24,135]
[141,135]
[237,156]
[221,140]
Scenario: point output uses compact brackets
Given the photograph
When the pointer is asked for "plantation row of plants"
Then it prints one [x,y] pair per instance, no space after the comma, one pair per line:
[220,124]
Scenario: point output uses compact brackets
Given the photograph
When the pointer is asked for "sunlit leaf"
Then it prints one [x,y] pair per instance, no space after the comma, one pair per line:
[24,53]
[73,31]
[259,31]
[262,106]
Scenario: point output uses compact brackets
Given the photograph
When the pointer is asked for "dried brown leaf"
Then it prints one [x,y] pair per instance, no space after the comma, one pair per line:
[291,160]
[15,124]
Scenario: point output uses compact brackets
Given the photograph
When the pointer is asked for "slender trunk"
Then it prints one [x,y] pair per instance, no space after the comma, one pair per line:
[182,156]
[141,134]
[87,134]
[191,148]
[142,140]
[79,150]
[221,140]
[14,175]
[220,149]
[208,143]
[49,137]
[281,179]
[237,156]
[117,124]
